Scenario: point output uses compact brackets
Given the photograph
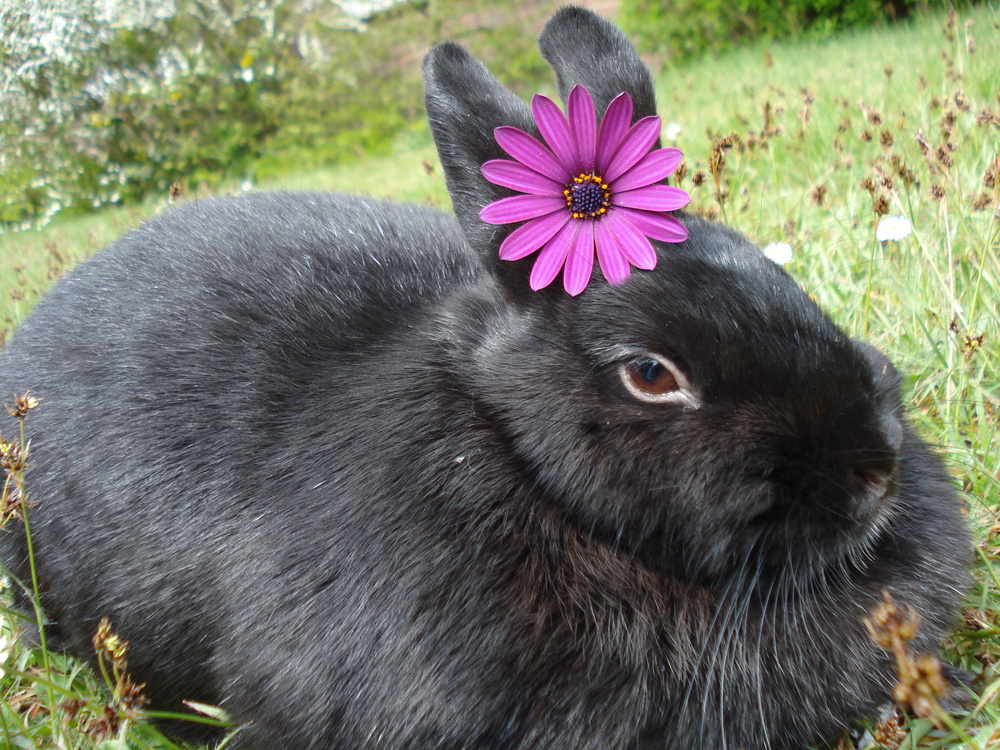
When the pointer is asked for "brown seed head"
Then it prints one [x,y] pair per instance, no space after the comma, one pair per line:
[970,345]
[921,686]
[131,697]
[902,171]
[948,122]
[13,459]
[872,115]
[108,644]
[890,625]
[889,734]
[105,726]
[71,708]
[22,405]
[949,26]
[981,202]
[943,154]
[986,117]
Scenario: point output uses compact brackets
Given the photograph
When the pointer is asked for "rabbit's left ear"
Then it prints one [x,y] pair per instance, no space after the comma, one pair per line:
[585,49]
[465,104]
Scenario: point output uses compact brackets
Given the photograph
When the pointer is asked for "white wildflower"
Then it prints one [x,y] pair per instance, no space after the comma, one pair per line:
[779,252]
[893,228]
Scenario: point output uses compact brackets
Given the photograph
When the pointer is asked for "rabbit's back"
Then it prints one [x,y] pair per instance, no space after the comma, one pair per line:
[177,369]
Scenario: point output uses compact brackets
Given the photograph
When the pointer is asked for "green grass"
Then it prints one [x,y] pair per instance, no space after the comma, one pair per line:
[930,300]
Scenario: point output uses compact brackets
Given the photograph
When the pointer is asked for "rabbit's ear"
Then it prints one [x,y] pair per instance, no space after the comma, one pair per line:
[465,104]
[586,49]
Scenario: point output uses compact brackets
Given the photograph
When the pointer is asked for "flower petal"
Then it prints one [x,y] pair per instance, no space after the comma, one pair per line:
[529,237]
[553,255]
[652,168]
[635,145]
[580,261]
[658,226]
[520,208]
[556,131]
[583,125]
[653,198]
[527,150]
[634,245]
[515,175]
[614,265]
[617,118]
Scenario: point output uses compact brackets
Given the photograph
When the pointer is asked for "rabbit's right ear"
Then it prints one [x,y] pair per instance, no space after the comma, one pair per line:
[465,104]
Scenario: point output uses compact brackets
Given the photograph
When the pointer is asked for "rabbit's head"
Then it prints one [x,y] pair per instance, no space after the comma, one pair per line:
[704,416]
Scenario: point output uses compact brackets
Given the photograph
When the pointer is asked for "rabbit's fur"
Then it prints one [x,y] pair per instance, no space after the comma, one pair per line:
[331,464]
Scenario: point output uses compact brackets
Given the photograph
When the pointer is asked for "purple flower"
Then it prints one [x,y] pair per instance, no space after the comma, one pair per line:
[590,189]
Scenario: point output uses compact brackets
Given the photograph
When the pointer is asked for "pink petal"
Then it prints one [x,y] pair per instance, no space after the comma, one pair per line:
[580,261]
[514,175]
[527,150]
[614,265]
[653,168]
[583,124]
[635,145]
[636,248]
[653,198]
[520,208]
[556,131]
[615,124]
[658,226]
[552,256]
[529,237]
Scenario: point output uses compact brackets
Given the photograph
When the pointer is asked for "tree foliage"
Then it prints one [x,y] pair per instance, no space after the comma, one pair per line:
[682,29]
[103,109]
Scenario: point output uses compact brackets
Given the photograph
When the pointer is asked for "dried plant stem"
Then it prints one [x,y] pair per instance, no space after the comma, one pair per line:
[19,481]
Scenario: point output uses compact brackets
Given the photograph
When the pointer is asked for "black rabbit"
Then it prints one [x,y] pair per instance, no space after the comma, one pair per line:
[331,464]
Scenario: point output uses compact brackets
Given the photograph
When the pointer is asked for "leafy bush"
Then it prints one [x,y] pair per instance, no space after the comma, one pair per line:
[686,28]
[101,110]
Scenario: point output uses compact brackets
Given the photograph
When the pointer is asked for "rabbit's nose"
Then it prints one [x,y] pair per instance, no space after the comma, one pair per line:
[877,482]
[877,471]
[874,470]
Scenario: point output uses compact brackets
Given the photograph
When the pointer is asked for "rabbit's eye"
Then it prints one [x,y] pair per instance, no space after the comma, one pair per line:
[656,379]
[649,376]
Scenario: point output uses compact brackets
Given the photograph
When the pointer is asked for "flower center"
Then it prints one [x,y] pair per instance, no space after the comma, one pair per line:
[587,197]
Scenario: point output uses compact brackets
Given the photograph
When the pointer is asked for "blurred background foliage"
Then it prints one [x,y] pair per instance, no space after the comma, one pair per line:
[682,29]
[105,102]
